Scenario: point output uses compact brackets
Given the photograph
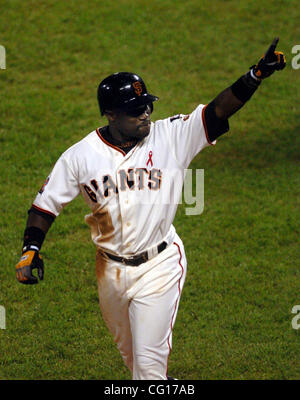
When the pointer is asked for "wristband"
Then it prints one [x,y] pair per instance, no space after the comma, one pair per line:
[33,236]
[245,86]
[30,247]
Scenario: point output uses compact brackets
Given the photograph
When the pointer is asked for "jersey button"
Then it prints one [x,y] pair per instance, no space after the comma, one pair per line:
[128,223]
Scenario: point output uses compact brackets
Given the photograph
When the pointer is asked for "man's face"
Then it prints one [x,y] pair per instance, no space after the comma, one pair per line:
[134,124]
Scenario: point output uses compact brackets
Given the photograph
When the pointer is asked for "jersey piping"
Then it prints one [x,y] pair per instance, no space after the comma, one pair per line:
[109,144]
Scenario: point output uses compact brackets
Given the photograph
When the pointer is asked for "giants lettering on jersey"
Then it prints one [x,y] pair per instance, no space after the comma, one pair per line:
[132,179]
[132,209]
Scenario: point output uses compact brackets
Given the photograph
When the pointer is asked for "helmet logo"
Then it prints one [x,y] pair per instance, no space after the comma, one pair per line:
[138,88]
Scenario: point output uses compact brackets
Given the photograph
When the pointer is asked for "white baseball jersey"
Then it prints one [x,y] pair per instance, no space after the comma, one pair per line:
[133,197]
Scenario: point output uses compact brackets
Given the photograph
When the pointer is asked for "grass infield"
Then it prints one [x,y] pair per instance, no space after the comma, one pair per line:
[243,279]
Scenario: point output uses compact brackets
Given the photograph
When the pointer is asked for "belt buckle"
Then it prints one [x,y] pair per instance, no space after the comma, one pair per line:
[133,259]
[128,259]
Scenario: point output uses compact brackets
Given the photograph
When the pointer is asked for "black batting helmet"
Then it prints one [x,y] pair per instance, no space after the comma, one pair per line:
[123,90]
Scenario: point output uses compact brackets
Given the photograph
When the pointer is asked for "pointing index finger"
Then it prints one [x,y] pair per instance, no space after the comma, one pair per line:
[272,48]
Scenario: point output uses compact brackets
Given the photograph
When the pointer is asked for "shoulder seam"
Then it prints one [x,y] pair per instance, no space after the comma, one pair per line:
[171,146]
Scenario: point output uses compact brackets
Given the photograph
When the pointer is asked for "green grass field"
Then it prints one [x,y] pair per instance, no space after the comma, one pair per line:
[234,320]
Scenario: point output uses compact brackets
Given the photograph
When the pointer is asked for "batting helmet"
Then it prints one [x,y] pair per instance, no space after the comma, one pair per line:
[123,90]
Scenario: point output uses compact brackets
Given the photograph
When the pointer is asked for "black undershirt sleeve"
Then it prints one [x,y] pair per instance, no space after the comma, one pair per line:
[46,216]
[215,126]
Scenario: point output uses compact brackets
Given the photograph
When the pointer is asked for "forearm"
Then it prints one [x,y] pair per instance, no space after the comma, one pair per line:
[38,221]
[37,227]
[232,99]
[226,104]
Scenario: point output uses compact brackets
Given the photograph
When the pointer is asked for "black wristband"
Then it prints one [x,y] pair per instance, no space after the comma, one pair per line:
[33,236]
[245,87]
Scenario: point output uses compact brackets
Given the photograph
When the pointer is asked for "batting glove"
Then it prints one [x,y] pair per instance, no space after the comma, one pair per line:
[272,61]
[29,260]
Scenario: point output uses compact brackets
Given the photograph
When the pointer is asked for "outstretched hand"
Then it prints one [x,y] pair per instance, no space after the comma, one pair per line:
[272,61]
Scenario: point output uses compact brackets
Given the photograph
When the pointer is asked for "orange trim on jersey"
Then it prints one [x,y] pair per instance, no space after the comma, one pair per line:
[205,126]
[44,211]
[109,144]
[176,244]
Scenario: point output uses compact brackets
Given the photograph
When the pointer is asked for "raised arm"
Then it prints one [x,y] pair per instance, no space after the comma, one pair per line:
[230,100]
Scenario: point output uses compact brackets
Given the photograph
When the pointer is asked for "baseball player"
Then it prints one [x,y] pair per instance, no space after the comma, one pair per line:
[126,172]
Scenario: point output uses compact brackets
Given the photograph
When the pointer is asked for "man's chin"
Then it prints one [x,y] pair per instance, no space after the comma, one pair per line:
[143,131]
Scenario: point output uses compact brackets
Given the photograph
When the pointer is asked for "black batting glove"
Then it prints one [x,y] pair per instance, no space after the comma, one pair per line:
[272,61]
[29,260]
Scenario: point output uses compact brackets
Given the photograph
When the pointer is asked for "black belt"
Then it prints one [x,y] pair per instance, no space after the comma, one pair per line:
[138,259]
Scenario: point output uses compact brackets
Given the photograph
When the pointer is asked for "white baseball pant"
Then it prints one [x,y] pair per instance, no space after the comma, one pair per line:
[139,306]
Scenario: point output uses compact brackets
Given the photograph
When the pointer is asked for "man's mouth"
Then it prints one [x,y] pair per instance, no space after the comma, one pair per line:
[146,123]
